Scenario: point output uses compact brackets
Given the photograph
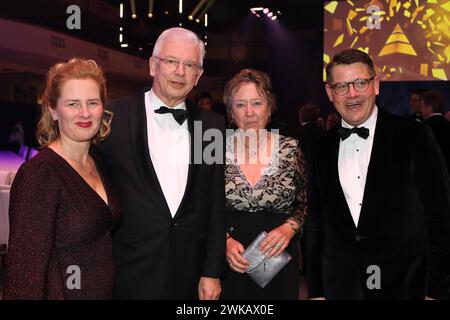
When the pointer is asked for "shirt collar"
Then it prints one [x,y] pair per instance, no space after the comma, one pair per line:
[156,102]
[369,123]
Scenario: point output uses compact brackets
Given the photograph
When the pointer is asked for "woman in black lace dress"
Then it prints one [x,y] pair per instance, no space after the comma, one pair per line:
[265,184]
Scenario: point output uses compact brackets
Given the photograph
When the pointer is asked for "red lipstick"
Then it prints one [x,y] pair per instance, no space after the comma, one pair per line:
[84,124]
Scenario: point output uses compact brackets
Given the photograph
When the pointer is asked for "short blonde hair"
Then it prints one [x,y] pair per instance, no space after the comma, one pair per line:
[60,73]
[262,83]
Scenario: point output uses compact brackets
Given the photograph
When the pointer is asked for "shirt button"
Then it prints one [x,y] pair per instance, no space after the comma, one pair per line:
[358,177]
[357,150]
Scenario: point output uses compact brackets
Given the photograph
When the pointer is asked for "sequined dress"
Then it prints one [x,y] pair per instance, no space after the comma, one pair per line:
[60,236]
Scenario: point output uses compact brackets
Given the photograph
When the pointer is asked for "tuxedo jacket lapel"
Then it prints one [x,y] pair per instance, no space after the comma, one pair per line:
[377,171]
[331,158]
[191,117]
[141,153]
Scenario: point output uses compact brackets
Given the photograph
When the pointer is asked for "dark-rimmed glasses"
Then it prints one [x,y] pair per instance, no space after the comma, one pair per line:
[360,85]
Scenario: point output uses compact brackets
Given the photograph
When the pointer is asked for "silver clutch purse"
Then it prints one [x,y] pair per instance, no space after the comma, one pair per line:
[262,269]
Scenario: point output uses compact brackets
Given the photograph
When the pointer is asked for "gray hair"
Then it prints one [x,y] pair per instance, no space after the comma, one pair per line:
[179,34]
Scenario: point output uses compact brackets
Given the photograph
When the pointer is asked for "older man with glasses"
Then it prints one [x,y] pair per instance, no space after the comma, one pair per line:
[378,222]
[171,244]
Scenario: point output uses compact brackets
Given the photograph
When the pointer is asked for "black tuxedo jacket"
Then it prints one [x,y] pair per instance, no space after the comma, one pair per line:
[441,131]
[307,135]
[404,223]
[157,256]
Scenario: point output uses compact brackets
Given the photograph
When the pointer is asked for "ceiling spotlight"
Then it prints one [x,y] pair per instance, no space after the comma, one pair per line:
[197,20]
[265,10]
[191,18]
[270,14]
[274,18]
[124,45]
[133,9]
[150,15]
[166,12]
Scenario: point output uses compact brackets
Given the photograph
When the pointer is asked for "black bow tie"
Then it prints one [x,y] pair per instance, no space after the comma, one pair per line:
[178,114]
[363,132]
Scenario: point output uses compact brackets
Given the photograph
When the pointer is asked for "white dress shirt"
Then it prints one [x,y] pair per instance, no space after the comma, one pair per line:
[169,146]
[353,161]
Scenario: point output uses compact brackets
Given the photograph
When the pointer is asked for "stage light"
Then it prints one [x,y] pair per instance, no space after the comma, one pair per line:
[133,9]
[124,45]
[274,18]
[196,9]
[121,11]
[270,14]
[120,38]
[197,20]
[206,20]
[180,6]
[150,8]
[265,10]
[206,8]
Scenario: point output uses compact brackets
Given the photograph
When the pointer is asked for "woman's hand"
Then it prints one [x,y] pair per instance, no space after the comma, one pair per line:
[234,256]
[277,240]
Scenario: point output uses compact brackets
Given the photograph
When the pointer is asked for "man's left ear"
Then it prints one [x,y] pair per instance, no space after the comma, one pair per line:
[329,93]
[152,66]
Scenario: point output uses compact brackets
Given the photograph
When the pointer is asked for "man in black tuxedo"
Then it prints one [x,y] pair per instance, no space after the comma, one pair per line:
[171,244]
[309,131]
[378,225]
[432,108]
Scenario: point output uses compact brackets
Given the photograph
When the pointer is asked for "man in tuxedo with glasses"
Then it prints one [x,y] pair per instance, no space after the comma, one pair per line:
[378,224]
[171,244]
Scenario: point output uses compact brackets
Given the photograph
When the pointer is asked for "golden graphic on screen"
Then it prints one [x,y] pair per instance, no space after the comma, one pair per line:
[407,40]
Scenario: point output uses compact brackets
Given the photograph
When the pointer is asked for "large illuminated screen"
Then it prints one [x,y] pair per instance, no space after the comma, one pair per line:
[408,40]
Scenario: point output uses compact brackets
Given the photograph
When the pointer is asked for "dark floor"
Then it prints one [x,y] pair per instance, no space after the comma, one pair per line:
[303,295]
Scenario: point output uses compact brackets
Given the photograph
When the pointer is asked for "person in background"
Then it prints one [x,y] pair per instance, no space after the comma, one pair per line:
[265,185]
[309,131]
[333,120]
[203,99]
[432,107]
[415,104]
[63,209]
[17,137]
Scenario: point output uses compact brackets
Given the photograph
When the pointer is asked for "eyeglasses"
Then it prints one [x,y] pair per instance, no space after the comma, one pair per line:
[191,67]
[360,85]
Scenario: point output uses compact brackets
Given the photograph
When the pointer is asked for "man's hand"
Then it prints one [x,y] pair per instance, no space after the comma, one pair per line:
[209,288]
